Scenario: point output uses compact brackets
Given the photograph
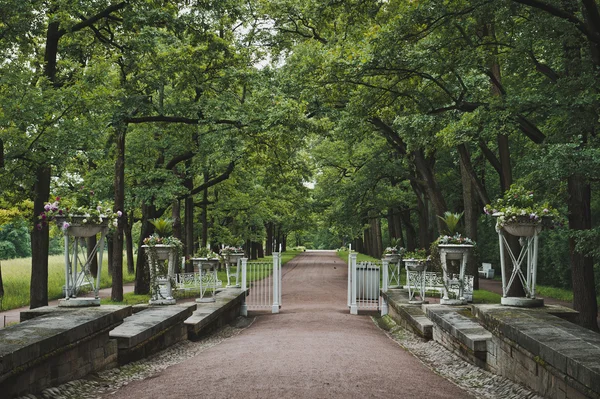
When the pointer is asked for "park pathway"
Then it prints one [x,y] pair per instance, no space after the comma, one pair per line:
[313,349]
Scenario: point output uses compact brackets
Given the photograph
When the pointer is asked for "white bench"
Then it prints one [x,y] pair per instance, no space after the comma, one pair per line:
[486,271]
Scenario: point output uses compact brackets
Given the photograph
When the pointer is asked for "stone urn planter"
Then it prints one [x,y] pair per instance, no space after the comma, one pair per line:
[205,263]
[161,262]
[522,229]
[392,258]
[77,227]
[233,257]
[415,265]
[454,252]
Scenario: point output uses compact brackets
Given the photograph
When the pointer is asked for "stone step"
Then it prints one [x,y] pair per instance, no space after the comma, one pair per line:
[466,330]
[150,330]
[212,315]
[406,314]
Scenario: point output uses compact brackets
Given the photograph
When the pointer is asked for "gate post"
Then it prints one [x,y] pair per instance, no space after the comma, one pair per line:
[353,306]
[384,287]
[275,307]
[244,308]
[349,275]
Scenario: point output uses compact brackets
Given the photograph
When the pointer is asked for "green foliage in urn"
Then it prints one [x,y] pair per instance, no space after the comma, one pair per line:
[451,220]
[419,254]
[206,253]
[162,226]
[519,206]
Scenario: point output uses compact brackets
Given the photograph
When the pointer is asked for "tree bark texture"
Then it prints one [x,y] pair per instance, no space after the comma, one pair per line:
[119,205]
[38,293]
[582,267]
[471,216]
[129,242]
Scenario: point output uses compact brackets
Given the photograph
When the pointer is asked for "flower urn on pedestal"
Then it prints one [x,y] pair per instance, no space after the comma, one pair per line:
[517,214]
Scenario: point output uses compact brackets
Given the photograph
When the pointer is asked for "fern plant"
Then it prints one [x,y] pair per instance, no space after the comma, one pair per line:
[451,220]
[162,226]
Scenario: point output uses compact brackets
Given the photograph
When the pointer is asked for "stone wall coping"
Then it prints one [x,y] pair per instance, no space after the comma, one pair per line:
[207,312]
[568,347]
[48,329]
[149,322]
[413,314]
[466,330]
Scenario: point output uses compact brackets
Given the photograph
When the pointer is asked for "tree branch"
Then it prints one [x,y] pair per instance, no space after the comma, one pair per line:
[222,177]
[92,20]
[557,12]
[490,156]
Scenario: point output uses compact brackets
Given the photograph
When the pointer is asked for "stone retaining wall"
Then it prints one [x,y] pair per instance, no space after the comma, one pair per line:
[55,348]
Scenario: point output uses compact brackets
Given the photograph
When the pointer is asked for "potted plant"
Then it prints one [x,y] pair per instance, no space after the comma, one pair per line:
[394,251]
[416,261]
[453,245]
[162,251]
[205,258]
[79,221]
[519,214]
[231,254]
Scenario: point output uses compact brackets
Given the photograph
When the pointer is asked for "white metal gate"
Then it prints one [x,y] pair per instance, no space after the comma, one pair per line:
[364,283]
[263,280]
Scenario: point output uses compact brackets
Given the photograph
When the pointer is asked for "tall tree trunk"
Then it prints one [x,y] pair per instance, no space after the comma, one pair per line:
[254,250]
[423,222]
[204,215]
[119,205]
[110,248]
[38,293]
[411,235]
[390,222]
[188,221]
[269,243]
[424,167]
[142,272]
[582,267]
[91,242]
[471,216]
[261,250]
[177,230]
[129,241]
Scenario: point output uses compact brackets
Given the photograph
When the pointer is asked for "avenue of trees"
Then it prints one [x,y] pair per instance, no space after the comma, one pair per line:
[217,114]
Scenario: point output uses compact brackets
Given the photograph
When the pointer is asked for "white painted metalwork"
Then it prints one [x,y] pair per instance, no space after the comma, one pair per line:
[161,285]
[394,268]
[435,282]
[203,277]
[232,266]
[365,282]
[449,253]
[384,288]
[77,263]
[416,274]
[263,279]
[349,275]
[526,259]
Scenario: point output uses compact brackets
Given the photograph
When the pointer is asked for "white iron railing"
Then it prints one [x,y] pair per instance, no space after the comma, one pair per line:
[364,282]
[263,279]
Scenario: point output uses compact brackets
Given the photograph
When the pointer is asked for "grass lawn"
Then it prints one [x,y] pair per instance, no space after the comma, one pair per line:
[16,275]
